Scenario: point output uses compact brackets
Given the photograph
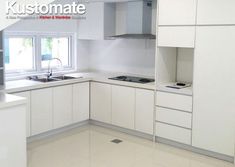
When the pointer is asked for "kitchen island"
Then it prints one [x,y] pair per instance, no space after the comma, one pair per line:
[12,131]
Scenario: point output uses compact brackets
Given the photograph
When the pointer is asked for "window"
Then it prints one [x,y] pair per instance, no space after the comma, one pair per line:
[19,54]
[31,53]
[55,48]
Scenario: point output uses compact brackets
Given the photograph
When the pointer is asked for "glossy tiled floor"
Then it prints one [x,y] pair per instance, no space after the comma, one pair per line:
[90,146]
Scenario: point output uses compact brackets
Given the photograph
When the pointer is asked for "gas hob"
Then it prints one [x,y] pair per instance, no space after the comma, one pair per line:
[133,79]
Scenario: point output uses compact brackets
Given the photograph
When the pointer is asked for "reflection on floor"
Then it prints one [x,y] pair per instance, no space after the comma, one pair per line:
[91,146]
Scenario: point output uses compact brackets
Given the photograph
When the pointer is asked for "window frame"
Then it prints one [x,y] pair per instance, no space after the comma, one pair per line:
[17,72]
[37,36]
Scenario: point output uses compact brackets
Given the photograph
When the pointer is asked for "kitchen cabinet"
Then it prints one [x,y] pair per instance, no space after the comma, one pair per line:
[177,12]
[215,12]
[144,105]
[81,98]
[180,36]
[62,106]
[213,101]
[173,133]
[174,101]
[28,112]
[101,102]
[99,21]
[174,117]
[41,110]
[123,106]
[13,136]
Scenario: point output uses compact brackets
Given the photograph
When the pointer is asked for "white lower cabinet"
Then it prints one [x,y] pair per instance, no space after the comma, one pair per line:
[62,106]
[173,133]
[174,117]
[28,115]
[81,103]
[56,107]
[123,106]
[101,102]
[174,101]
[144,105]
[126,107]
[41,110]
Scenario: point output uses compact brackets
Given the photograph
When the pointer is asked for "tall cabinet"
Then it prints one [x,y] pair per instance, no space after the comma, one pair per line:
[196,43]
[214,77]
[214,91]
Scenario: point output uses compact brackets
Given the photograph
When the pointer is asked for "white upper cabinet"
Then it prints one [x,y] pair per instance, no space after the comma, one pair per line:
[144,104]
[101,102]
[62,106]
[41,111]
[81,102]
[213,89]
[123,106]
[177,12]
[99,21]
[176,36]
[216,12]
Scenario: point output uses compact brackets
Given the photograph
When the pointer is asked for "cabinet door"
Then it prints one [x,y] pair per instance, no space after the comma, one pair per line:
[92,27]
[41,111]
[101,102]
[62,106]
[177,12]
[216,12]
[214,97]
[144,110]
[81,101]
[123,106]
[99,21]
[179,36]
[28,117]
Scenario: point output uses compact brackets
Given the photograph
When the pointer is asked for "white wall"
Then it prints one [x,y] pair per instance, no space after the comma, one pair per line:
[123,55]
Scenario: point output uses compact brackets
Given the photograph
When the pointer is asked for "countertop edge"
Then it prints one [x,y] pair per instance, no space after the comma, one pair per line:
[86,78]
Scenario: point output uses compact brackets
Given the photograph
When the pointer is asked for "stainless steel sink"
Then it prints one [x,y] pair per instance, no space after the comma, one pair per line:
[63,77]
[44,79]
[50,79]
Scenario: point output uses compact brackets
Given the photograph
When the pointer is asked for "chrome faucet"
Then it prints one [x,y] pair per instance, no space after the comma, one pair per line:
[49,70]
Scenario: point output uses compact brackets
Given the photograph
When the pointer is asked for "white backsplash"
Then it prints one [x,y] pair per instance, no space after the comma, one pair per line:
[123,55]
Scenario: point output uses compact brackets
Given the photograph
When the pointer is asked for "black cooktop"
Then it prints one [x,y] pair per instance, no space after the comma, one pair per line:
[133,79]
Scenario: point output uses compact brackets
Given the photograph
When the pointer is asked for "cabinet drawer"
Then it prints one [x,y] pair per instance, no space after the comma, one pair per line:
[174,101]
[176,36]
[174,117]
[174,133]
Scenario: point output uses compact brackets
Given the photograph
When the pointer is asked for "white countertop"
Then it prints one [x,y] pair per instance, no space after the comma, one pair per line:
[184,91]
[24,85]
[7,100]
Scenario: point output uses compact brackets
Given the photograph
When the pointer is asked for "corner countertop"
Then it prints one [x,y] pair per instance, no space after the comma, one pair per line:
[7,100]
[25,85]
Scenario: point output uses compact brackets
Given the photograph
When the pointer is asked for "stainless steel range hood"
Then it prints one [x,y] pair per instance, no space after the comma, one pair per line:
[135,20]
